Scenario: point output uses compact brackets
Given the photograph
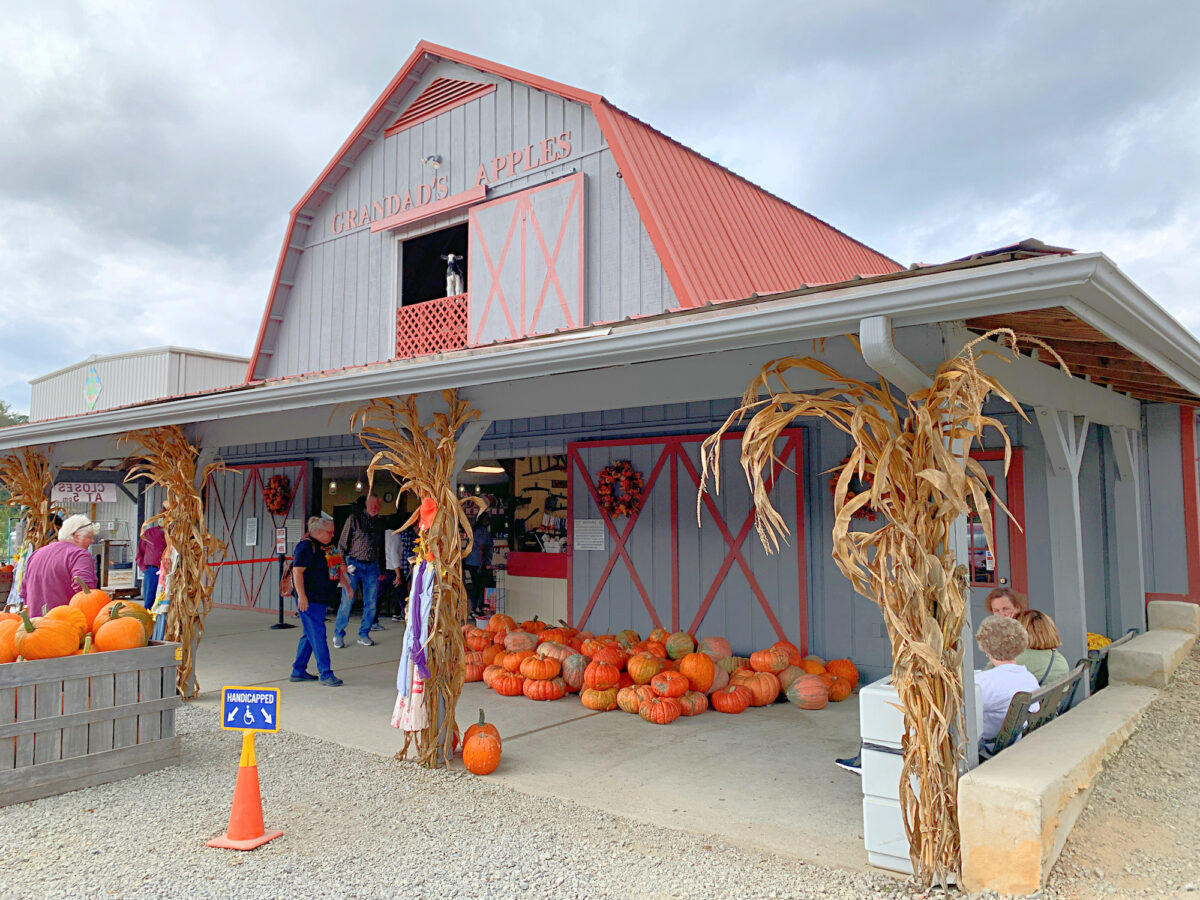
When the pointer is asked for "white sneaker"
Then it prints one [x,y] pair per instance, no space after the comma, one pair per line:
[366,642]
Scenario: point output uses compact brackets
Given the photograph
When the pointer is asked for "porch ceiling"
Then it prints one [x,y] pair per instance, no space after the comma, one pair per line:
[1087,351]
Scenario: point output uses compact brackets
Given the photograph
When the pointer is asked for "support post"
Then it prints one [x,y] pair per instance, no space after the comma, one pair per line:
[1130,608]
[1065,436]
[960,542]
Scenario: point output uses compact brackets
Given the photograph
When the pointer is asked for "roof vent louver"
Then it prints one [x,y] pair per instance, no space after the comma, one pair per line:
[442,94]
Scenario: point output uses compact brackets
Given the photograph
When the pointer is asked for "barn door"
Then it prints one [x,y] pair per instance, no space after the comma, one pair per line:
[526,270]
[661,568]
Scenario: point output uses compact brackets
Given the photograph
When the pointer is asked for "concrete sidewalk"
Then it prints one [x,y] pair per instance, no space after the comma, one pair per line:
[764,779]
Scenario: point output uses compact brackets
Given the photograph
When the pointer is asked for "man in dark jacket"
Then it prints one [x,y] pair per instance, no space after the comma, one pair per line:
[314,587]
[361,544]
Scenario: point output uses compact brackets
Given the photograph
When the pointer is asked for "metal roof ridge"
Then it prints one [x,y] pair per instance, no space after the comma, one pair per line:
[144,351]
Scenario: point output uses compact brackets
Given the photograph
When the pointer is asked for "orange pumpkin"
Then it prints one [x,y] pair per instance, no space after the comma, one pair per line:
[89,601]
[490,673]
[808,692]
[508,684]
[660,710]
[477,638]
[120,632]
[700,670]
[520,640]
[812,667]
[792,651]
[481,725]
[481,754]
[840,689]
[659,634]
[71,614]
[512,661]
[534,625]
[540,668]
[843,668]
[670,684]
[8,631]
[490,653]
[732,699]
[544,688]
[693,703]
[473,671]
[599,700]
[788,676]
[45,638]
[501,623]
[136,610]
[764,688]
[716,647]
[773,660]
[643,667]
[601,676]
[613,654]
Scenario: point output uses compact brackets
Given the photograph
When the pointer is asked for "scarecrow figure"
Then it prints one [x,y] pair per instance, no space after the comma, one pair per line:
[410,713]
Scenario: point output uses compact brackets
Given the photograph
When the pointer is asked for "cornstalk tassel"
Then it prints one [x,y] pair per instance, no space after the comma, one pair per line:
[27,477]
[915,453]
[169,461]
[421,459]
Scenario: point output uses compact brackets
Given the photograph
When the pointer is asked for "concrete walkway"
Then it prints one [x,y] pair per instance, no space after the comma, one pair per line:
[764,779]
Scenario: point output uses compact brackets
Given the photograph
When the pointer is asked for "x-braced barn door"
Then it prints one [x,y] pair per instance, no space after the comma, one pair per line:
[234,496]
[660,568]
[526,271]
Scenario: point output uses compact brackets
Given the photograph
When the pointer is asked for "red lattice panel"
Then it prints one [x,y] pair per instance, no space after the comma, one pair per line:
[431,327]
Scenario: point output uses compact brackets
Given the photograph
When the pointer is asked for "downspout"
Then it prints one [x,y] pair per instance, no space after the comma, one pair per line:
[880,353]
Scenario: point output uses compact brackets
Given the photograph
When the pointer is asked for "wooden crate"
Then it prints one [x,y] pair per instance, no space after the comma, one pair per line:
[82,720]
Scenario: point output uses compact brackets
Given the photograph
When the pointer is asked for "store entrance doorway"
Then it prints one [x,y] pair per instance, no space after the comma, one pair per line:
[1005,565]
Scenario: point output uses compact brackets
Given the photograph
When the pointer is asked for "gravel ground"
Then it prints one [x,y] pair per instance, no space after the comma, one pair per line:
[359,825]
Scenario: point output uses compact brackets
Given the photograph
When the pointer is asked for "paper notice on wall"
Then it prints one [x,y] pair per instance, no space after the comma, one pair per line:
[295,531]
[251,531]
[588,534]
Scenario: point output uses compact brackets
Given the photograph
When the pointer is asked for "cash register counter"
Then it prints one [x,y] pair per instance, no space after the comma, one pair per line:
[536,585]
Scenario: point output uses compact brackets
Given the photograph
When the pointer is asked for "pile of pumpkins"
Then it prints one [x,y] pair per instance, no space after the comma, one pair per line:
[660,678]
[92,622]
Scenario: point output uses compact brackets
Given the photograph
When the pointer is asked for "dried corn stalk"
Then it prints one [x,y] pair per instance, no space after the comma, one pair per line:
[27,477]
[421,458]
[916,453]
[169,461]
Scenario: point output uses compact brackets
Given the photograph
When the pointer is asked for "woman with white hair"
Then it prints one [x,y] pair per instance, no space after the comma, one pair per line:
[51,573]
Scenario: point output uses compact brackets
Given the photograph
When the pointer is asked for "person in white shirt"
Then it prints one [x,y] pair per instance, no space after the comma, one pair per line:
[1002,640]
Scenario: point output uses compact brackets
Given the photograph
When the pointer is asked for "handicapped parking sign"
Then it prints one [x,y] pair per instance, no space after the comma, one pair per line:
[250,708]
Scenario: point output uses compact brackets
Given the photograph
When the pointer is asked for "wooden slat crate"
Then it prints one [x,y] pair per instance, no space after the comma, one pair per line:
[83,720]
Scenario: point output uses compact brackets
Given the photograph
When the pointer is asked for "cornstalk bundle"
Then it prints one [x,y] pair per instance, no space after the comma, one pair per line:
[421,458]
[169,461]
[27,477]
[914,454]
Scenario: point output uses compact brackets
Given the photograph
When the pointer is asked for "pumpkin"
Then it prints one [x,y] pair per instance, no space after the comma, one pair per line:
[554,650]
[9,617]
[473,656]
[812,667]
[628,699]
[659,634]
[670,684]
[591,646]
[540,668]
[500,657]
[534,625]
[121,631]
[643,667]
[693,703]
[573,668]
[88,601]
[732,699]
[720,679]
[135,610]
[732,663]
[599,700]
[612,653]
[764,688]
[490,652]
[788,676]
[840,689]
[656,648]
[817,659]
[477,639]
[771,660]
[520,640]
[700,670]
[508,684]
[45,638]
[8,631]
[679,645]
[792,651]
[512,661]
[828,679]
[473,672]
[502,623]
[554,635]
[626,680]
[72,614]
[601,676]
[498,637]
[481,753]
[479,726]
[490,672]
[628,637]
[843,668]
[544,688]
[808,692]
[716,647]
[660,710]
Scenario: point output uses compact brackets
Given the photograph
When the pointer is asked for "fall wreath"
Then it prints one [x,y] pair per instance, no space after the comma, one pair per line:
[859,484]
[277,495]
[620,489]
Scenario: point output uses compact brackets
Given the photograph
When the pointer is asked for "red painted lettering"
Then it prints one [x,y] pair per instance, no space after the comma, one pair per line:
[564,145]
[424,193]
[443,187]
[364,215]
[408,204]
[335,226]
[513,159]
[529,163]
[376,211]
[499,164]
[481,178]
[352,218]
[393,204]
[548,150]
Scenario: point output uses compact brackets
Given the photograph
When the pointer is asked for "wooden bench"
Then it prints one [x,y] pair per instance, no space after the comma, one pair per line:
[1097,661]
[1030,710]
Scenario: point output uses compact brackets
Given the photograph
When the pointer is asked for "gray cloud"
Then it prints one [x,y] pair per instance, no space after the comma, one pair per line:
[152,152]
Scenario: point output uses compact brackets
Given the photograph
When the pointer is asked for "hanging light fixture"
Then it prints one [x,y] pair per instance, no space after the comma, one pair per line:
[333,485]
[358,485]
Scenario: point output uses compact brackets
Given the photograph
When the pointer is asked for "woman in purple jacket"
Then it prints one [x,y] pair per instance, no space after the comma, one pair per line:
[51,571]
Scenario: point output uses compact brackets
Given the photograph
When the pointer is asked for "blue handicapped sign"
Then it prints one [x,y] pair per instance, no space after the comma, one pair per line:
[249,708]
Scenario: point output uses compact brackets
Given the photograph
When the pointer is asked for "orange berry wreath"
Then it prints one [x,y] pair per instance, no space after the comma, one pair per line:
[277,495]
[620,489]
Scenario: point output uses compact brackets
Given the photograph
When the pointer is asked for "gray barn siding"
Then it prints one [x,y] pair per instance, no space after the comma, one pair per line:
[341,309]
[1166,545]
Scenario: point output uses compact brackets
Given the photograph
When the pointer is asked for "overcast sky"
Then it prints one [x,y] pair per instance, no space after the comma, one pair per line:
[149,153]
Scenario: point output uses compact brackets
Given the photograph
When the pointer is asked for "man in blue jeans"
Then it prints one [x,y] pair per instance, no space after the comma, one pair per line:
[362,546]
[315,588]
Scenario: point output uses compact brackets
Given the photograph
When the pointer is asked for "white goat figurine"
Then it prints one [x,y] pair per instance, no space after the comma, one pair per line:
[454,274]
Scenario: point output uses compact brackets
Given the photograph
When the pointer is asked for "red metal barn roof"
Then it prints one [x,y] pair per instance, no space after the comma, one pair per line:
[719,236]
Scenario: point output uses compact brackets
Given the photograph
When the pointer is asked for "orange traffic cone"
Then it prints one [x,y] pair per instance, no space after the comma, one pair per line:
[246,831]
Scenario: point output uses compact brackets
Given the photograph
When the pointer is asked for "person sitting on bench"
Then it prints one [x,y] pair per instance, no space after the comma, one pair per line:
[1002,640]
[1042,658]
